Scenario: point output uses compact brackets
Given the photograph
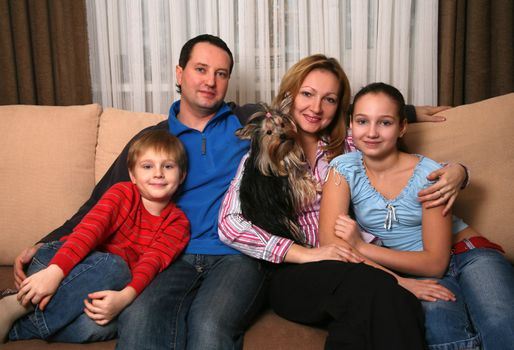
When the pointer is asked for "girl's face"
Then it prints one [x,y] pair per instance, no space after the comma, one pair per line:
[376,125]
[316,103]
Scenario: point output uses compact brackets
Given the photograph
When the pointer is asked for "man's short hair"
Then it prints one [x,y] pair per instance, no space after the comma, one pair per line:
[185,53]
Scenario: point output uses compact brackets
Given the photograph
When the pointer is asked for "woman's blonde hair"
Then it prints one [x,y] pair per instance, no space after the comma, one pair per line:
[335,133]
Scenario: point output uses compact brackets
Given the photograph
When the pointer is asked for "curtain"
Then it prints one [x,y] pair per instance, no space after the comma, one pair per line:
[135,45]
[44,56]
[476,50]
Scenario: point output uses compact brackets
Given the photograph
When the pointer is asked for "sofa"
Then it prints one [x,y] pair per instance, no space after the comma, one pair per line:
[51,157]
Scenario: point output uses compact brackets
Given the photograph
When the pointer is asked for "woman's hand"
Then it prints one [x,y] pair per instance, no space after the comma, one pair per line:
[445,191]
[348,229]
[429,113]
[107,304]
[427,290]
[40,287]
[335,252]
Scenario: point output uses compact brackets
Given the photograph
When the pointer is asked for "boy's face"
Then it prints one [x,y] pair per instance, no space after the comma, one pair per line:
[157,176]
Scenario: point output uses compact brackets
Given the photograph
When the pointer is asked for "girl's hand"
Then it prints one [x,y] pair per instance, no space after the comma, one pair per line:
[429,113]
[348,229]
[428,290]
[107,304]
[445,191]
[39,288]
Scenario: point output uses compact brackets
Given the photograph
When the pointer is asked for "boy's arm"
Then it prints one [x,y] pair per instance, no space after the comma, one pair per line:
[117,173]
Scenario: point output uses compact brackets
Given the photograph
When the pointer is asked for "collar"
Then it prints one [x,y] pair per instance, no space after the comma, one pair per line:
[176,127]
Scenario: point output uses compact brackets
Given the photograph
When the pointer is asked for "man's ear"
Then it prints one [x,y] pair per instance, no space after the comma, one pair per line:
[183,177]
[178,74]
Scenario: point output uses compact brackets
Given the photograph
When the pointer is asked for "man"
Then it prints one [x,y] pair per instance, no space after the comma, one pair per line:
[204,299]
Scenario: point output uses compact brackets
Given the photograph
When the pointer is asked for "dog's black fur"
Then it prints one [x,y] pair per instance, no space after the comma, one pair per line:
[275,160]
[266,200]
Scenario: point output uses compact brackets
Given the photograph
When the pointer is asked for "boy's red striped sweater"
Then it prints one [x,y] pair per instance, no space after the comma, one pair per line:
[119,224]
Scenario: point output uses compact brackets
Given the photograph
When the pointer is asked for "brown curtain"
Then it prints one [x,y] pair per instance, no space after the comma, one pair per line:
[476,50]
[44,52]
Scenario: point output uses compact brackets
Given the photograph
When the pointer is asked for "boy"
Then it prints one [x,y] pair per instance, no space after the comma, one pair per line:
[132,233]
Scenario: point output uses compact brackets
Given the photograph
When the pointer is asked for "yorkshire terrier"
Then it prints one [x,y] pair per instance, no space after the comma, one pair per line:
[276,183]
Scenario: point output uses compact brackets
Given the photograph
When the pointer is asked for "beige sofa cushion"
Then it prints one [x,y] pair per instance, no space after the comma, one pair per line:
[117,127]
[481,136]
[44,179]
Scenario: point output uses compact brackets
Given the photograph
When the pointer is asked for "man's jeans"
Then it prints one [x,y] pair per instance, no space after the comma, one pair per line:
[63,319]
[199,302]
[483,283]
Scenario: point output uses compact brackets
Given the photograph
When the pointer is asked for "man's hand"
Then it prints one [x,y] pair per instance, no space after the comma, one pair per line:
[105,305]
[21,260]
[429,113]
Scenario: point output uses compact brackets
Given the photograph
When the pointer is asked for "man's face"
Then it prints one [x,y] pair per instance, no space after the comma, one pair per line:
[204,79]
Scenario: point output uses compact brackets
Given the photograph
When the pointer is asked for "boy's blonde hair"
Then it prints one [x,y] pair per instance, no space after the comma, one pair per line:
[159,141]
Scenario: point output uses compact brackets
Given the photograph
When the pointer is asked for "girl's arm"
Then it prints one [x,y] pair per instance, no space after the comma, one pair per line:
[334,204]
[436,233]
[432,261]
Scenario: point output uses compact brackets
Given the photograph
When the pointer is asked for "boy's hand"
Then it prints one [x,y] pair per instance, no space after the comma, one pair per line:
[105,305]
[39,288]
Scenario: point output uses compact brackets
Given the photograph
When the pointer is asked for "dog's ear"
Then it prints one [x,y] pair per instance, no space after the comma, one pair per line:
[247,132]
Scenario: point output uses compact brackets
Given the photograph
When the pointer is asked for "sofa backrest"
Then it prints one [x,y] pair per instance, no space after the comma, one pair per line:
[47,167]
[117,127]
[481,136]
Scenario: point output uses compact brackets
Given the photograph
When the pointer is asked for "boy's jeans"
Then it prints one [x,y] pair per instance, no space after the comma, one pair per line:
[63,318]
[483,283]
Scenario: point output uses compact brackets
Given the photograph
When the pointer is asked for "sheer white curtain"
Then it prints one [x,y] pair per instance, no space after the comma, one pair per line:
[135,45]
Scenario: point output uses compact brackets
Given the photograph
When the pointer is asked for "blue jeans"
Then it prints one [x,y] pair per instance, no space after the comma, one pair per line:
[64,319]
[483,283]
[199,302]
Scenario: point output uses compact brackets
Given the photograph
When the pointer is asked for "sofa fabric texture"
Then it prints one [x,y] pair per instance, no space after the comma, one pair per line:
[53,156]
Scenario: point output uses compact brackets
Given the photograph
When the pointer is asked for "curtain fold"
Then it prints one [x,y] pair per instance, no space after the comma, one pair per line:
[476,50]
[387,40]
[44,53]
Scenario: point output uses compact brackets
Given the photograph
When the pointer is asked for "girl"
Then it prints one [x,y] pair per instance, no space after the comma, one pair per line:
[381,183]
[316,93]
[90,276]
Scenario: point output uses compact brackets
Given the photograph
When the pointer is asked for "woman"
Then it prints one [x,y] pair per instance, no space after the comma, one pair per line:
[325,285]
[382,182]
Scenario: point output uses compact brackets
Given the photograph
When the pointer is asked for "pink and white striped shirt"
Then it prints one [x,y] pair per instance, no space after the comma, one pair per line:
[239,233]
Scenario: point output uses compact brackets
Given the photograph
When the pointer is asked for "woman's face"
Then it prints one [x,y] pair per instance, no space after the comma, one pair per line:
[316,103]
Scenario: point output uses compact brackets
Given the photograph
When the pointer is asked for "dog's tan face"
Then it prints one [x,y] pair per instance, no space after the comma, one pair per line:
[274,137]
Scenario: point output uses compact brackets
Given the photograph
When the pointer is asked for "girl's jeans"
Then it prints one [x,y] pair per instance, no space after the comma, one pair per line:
[63,318]
[483,283]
